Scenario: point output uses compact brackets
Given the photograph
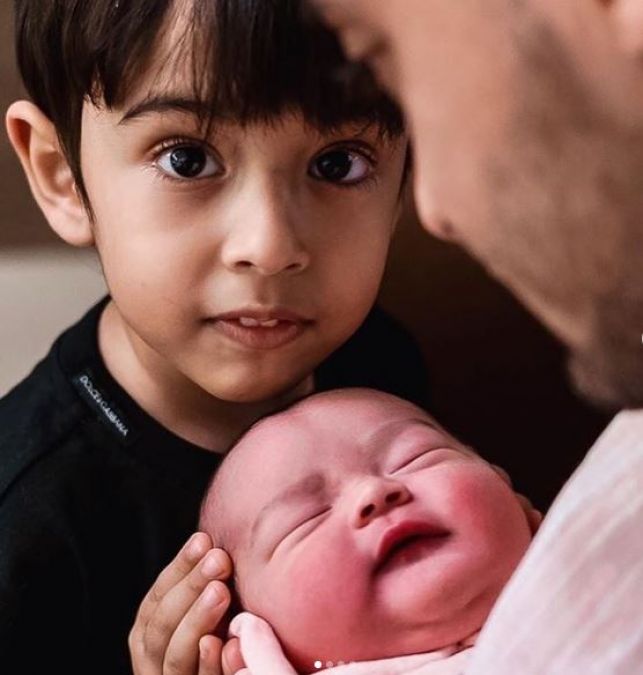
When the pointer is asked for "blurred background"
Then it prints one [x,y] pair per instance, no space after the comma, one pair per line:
[498,379]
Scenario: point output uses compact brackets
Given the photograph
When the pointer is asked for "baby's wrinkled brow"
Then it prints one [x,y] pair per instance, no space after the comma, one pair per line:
[310,485]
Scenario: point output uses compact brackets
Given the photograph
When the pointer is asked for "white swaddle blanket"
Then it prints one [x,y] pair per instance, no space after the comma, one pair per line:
[441,662]
[575,603]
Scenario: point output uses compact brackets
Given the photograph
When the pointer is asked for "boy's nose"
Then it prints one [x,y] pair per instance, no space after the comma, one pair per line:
[263,239]
[376,497]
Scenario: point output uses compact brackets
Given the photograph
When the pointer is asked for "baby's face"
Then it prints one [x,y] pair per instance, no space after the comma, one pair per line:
[366,531]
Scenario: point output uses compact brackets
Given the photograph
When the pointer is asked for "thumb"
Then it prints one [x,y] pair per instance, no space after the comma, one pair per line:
[260,648]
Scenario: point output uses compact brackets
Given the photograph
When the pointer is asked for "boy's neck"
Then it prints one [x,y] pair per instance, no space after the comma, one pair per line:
[174,401]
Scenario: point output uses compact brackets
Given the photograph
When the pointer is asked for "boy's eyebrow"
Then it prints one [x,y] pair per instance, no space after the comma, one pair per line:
[312,484]
[163,104]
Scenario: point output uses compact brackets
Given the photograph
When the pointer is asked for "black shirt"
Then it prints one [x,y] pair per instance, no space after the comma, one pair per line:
[96,497]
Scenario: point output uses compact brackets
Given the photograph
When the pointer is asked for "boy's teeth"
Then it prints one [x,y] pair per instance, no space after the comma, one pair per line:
[248,322]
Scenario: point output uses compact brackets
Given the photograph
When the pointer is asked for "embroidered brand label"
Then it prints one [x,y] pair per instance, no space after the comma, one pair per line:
[94,397]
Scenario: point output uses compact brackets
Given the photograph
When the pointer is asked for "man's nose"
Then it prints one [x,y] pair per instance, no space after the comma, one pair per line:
[376,497]
[262,235]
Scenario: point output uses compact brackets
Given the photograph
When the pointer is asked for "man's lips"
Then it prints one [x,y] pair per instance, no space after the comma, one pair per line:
[400,538]
[261,328]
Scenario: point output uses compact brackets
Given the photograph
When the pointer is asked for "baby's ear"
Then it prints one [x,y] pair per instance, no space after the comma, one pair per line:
[52,183]
[472,452]
[533,515]
[503,474]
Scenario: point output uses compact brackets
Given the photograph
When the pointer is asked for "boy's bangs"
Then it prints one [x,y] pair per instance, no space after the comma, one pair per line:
[247,60]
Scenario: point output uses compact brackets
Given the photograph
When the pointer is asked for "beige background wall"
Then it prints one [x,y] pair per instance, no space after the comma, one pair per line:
[43,285]
[497,378]
[20,224]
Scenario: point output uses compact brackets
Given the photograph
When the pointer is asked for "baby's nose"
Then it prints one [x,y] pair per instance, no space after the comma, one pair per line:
[377,498]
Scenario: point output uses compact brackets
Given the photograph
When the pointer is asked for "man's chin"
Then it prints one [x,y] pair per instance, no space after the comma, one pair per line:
[609,382]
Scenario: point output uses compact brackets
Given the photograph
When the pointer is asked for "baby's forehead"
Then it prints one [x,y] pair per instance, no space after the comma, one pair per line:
[308,449]
[358,424]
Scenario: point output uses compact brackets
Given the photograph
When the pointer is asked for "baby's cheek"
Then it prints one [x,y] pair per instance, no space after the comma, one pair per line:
[314,598]
[322,571]
[479,502]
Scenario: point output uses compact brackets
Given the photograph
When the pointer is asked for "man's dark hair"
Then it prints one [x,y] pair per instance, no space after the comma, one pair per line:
[251,60]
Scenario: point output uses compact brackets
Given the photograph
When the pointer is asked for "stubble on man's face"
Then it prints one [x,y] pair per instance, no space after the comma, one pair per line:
[535,168]
[591,184]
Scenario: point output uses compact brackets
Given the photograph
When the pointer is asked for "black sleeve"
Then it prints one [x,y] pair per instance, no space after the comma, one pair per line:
[41,591]
[380,355]
[73,566]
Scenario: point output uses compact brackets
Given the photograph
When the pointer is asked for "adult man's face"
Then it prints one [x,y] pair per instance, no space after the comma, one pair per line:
[527,121]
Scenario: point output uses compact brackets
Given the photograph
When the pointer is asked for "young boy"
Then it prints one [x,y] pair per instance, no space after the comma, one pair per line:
[363,532]
[241,202]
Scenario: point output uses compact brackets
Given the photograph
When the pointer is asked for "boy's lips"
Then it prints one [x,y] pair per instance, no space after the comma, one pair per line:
[261,328]
[407,540]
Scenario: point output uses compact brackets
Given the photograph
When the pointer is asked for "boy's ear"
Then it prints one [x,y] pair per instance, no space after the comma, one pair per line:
[36,143]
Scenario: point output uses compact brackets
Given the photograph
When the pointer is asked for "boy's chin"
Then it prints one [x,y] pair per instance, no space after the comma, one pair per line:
[254,391]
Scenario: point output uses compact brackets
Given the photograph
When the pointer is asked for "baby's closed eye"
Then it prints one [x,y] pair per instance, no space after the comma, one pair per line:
[423,459]
[304,526]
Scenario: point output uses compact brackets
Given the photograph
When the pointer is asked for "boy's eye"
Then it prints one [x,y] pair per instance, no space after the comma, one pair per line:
[185,162]
[341,166]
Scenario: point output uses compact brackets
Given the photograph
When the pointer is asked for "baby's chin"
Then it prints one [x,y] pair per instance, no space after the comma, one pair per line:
[409,610]
[435,630]
[438,603]
[381,638]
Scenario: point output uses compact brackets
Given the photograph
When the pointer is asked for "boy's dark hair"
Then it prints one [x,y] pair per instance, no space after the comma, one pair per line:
[250,60]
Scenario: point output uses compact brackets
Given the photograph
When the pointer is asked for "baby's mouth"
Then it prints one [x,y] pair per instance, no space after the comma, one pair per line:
[407,542]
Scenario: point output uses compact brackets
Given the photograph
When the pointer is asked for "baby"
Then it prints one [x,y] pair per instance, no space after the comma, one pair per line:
[360,530]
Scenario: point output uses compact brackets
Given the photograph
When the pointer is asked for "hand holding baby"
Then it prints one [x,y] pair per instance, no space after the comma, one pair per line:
[173,625]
